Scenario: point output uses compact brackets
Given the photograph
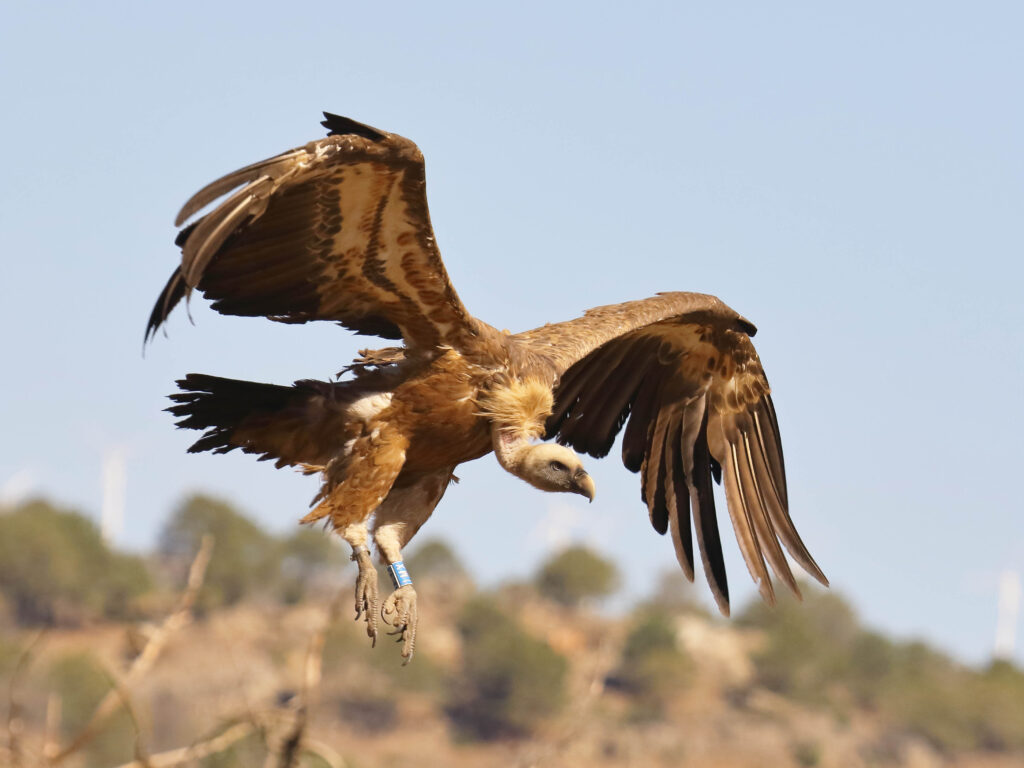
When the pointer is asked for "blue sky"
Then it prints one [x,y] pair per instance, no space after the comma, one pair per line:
[851,179]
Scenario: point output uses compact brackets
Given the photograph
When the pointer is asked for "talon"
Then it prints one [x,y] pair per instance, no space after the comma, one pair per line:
[366,593]
[400,611]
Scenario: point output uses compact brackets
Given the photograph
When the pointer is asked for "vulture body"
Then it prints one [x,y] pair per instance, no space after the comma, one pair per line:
[339,230]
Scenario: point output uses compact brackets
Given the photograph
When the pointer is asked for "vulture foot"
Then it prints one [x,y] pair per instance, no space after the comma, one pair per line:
[366,592]
[400,612]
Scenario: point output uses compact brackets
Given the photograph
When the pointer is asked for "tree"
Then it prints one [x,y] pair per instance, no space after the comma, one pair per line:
[817,653]
[676,594]
[807,645]
[80,681]
[577,574]
[55,568]
[435,558]
[245,558]
[653,668]
[999,693]
[305,555]
[510,681]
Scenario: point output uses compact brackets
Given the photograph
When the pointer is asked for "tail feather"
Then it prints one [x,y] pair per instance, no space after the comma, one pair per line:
[298,424]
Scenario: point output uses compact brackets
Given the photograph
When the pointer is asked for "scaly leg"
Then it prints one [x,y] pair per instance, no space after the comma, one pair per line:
[399,609]
[395,523]
[366,581]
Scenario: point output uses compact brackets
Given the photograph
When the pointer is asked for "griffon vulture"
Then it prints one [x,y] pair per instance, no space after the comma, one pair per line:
[338,230]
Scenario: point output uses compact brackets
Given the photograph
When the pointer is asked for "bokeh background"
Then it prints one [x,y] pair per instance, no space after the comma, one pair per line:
[850,178]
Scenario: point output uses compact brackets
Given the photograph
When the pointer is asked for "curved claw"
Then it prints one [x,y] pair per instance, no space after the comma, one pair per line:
[366,593]
[400,612]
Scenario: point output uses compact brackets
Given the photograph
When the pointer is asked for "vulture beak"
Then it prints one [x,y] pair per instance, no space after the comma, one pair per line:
[583,484]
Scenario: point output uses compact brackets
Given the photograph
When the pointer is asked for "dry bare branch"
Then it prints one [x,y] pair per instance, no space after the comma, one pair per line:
[292,745]
[290,749]
[139,748]
[51,733]
[15,722]
[181,616]
[197,751]
[324,752]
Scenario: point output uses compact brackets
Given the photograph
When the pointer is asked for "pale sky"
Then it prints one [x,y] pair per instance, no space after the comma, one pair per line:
[852,180]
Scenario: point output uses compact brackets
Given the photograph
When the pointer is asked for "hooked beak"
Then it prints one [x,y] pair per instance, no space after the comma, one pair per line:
[583,484]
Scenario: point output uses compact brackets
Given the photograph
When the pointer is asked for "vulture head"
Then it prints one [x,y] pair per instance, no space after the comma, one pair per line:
[552,467]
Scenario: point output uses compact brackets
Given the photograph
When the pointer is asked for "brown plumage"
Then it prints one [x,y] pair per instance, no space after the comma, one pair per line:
[339,230]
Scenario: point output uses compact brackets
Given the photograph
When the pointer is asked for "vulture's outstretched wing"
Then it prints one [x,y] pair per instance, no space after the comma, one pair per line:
[682,369]
[335,230]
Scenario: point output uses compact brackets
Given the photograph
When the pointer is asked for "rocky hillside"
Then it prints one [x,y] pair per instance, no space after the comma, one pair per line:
[695,701]
[107,659]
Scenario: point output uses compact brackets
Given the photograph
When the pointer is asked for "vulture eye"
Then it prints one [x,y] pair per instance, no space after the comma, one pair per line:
[559,466]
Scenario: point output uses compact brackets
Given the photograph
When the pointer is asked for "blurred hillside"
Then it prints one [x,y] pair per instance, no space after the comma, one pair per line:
[250,668]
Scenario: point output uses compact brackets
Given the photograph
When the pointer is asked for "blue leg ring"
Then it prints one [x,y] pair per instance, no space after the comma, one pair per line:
[399,576]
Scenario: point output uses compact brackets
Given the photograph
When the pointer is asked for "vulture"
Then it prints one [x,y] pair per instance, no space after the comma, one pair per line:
[338,230]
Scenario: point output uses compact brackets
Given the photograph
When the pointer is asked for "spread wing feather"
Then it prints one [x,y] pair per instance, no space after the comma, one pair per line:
[743,524]
[678,499]
[697,466]
[652,484]
[634,442]
[680,372]
[336,230]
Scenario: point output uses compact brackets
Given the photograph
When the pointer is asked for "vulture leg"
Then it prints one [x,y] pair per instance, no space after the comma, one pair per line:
[408,505]
[366,581]
[353,486]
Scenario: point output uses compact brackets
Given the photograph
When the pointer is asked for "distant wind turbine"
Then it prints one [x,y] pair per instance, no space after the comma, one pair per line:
[114,479]
[1006,622]
[17,487]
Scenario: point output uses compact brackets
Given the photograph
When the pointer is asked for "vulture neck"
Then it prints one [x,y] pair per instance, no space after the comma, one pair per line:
[517,411]
[511,448]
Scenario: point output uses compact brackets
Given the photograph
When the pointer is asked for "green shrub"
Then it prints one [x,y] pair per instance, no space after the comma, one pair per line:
[807,754]
[872,660]
[999,694]
[81,684]
[510,681]
[577,574]
[55,568]
[676,594]
[816,653]
[807,645]
[245,558]
[303,556]
[927,694]
[368,712]
[10,653]
[435,558]
[652,668]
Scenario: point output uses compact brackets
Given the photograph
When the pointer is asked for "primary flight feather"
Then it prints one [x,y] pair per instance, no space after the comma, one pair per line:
[339,230]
